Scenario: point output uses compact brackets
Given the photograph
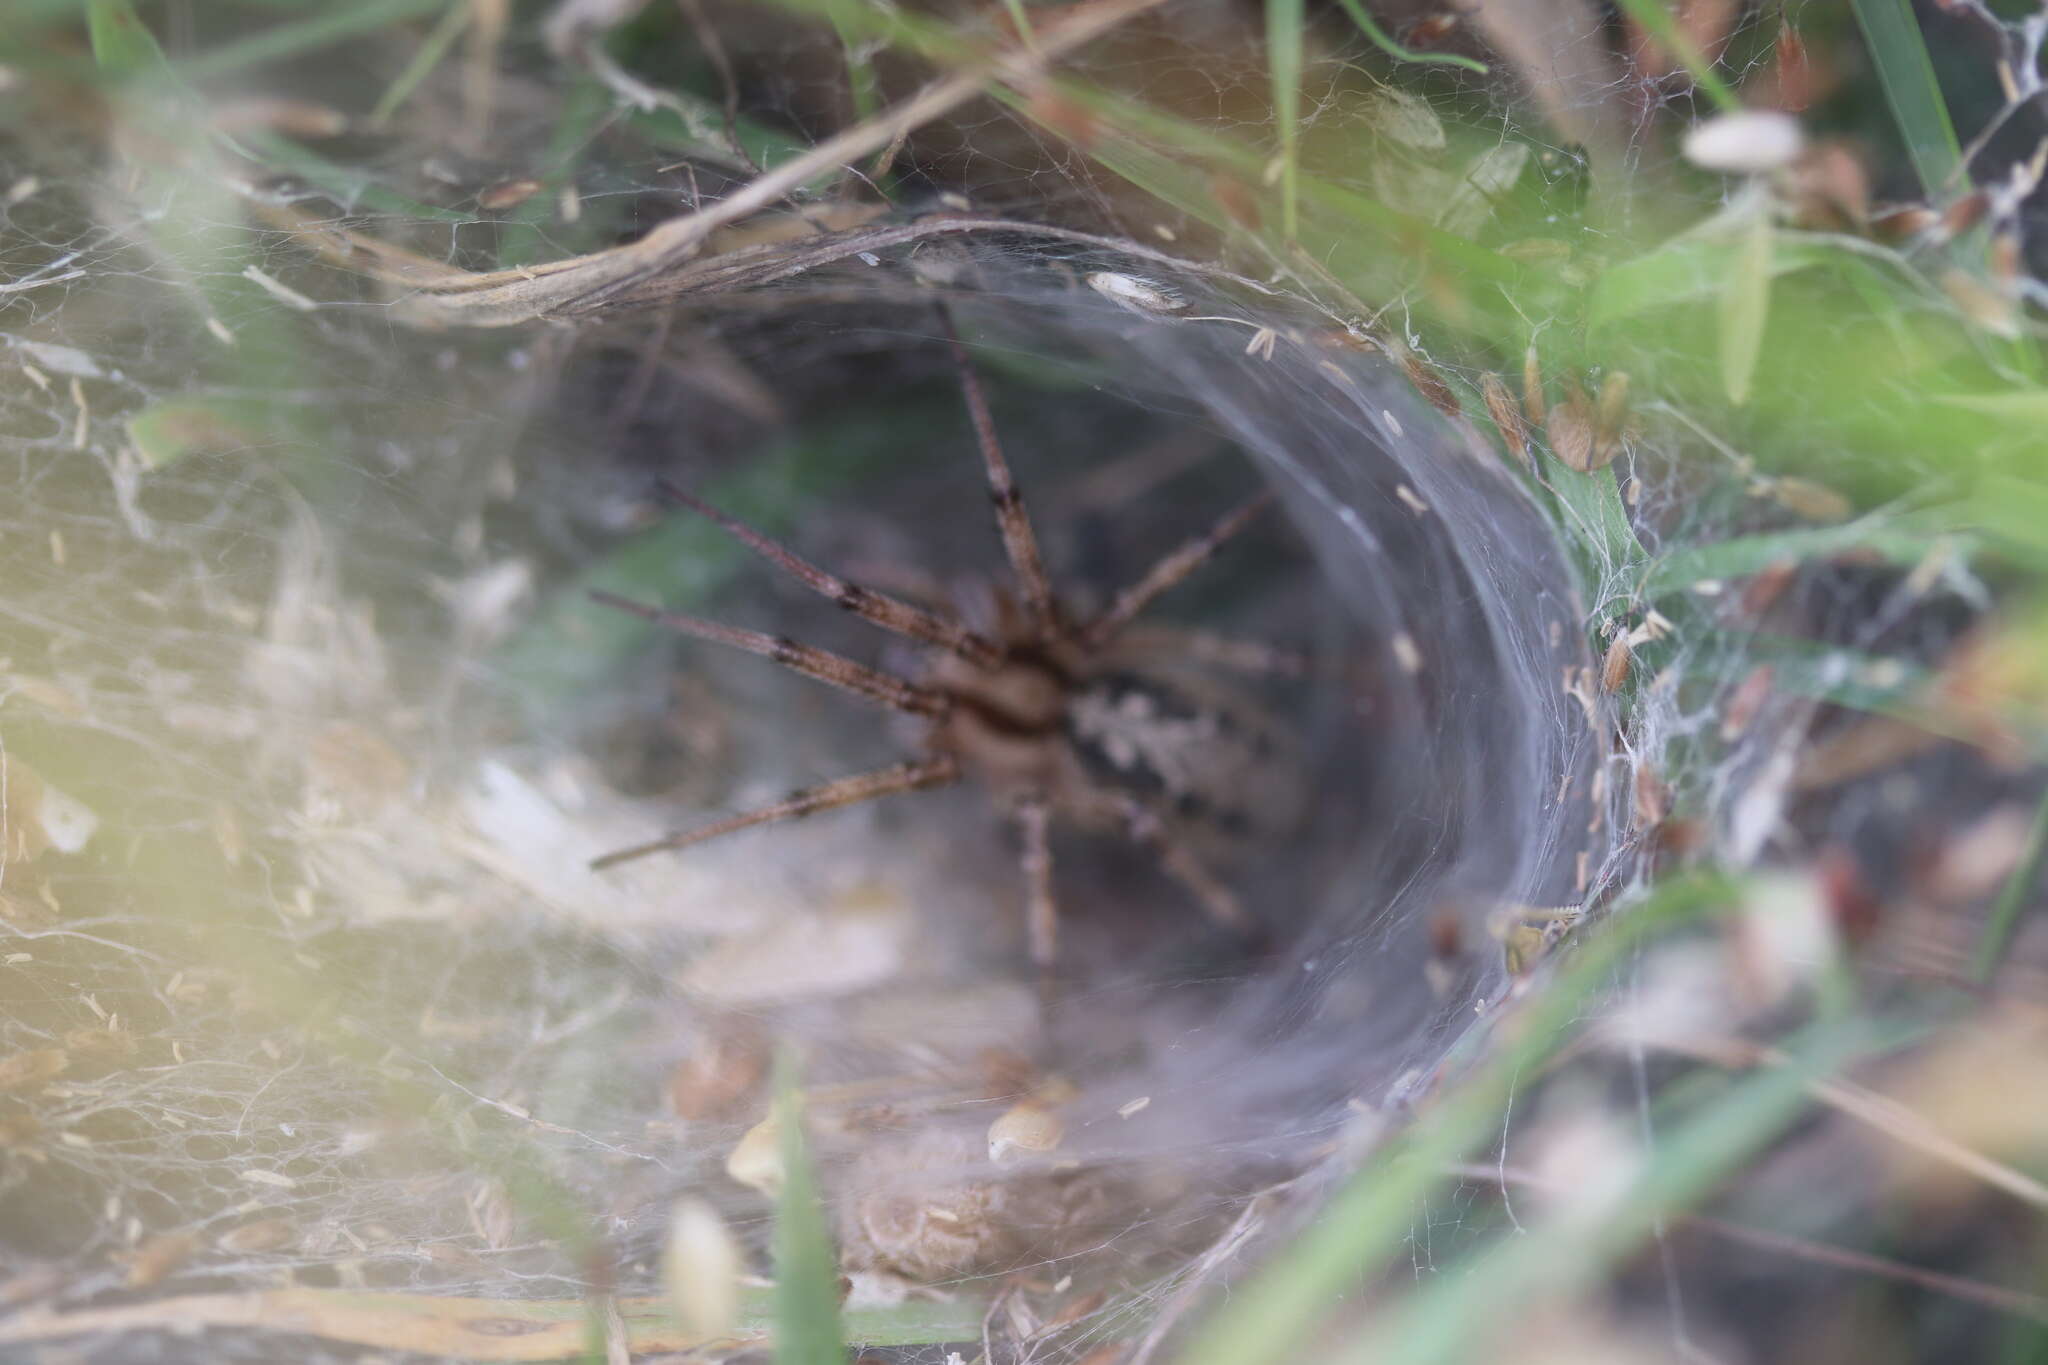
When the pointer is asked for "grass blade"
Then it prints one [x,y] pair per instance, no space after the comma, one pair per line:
[1907,74]
[1658,23]
[806,1272]
[1449,1320]
[2005,915]
[424,60]
[1385,43]
[122,45]
[1372,1217]
[1745,305]
[325,28]
[1284,21]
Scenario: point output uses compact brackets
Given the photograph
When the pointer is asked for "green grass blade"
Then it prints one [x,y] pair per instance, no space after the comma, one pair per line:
[1658,23]
[122,45]
[1907,74]
[862,85]
[2018,889]
[1284,22]
[1745,305]
[430,54]
[1371,1218]
[328,26]
[1385,42]
[1458,1312]
[806,1272]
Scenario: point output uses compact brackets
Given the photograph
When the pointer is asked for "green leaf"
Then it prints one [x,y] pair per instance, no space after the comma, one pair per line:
[1689,270]
[1745,303]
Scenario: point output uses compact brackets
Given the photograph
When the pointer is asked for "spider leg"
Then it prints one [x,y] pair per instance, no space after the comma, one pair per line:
[885,611]
[1168,572]
[1253,658]
[1012,518]
[826,667]
[1144,825]
[846,791]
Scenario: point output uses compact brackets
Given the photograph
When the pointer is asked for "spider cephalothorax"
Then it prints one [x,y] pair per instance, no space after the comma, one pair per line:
[1053,715]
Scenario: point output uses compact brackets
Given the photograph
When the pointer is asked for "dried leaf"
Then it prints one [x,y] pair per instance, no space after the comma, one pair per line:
[1610,421]
[508,194]
[24,915]
[268,1234]
[1897,223]
[1068,118]
[1989,308]
[101,1044]
[1507,418]
[756,1159]
[1744,703]
[1791,75]
[719,1073]
[1832,187]
[1432,30]
[1813,501]
[159,1258]
[1237,200]
[1570,428]
[1429,384]
[32,1069]
[1614,668]
[358,764]
[468,1329]
[493,1216]
[1030,1127]
[291,117]
[47,693]
[1652,797]
[1964,214]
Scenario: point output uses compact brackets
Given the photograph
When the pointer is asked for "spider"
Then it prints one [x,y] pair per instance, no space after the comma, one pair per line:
[1046,711]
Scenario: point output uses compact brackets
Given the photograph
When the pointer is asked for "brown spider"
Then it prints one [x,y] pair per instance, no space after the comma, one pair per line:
[1045,711]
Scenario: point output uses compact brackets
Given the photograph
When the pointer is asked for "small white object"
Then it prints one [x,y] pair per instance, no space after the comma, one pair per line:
[702,1267]
[1745,143]
[68,823]
[1139,295]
